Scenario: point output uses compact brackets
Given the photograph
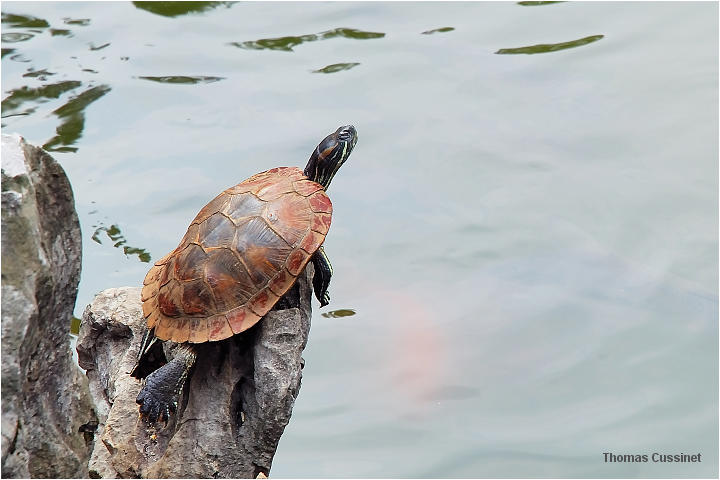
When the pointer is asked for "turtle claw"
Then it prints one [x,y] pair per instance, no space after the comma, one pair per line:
[154,409]
[325,300]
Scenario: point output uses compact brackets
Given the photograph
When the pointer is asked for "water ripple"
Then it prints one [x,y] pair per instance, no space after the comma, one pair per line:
[183,79]
[550,47]
[336,67]
[286,44]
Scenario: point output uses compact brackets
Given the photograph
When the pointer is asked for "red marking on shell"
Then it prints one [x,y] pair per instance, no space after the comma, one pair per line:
[236,318]
[296,262]
[312,242]
[197,298]
[166,303]
[320,202]
[321,223]
[281,283]
[198,330]
[240,319]
[182,330]
[263,302]
[306,187]
[219,328]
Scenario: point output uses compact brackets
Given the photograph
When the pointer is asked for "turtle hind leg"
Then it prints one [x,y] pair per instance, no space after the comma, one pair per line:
[150,356]
[159,395]
[321,278]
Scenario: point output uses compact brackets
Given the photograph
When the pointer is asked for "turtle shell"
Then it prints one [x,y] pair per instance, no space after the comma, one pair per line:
[240,254]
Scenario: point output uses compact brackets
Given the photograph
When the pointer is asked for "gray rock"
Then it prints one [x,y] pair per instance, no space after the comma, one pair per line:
[236,405]
[46,402]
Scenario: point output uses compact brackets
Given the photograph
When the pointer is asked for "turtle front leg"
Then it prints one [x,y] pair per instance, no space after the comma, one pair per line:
[321,279]
[159,395]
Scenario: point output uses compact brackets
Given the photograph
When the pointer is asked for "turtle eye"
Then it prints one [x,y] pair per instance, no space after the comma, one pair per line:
[346,133]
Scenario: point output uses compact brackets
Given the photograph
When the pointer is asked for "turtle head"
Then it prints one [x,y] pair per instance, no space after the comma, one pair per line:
[330,155]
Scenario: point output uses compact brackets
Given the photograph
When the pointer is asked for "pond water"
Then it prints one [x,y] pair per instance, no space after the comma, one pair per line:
[526,232]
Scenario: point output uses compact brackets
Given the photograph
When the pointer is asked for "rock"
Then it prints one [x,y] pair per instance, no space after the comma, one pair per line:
[236,403]
[47,414]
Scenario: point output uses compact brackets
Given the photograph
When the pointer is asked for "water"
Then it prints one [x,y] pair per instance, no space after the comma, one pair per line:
[527,230]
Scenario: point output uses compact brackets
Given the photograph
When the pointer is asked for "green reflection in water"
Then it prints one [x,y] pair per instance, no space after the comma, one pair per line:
[23,21]
[115,235]
[21,95]
[75,325]
[343,312]
[438,30]
[83,22]
[336,67]
[550,47]
[7,51]
[14,37]
[39,74]
[286,44]
[537,4]
[183,79]
[55,32]
[94,48]
[175,9]
[73,119]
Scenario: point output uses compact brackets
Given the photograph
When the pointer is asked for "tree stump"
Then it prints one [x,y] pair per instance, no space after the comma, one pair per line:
[235,405]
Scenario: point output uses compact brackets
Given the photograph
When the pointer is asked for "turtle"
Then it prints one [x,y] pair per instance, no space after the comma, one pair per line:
[243,251]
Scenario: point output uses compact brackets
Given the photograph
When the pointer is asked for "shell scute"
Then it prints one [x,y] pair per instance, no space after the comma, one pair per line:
[218,328]
[320,202]
[240,319]
[306,187]
[152,274]
[262,250]
[188,265]
[297,261]
[198,330]
[229,280]
[149,291]
[312,242]
[153,317]
[197,299]
[289,216]
[282,282]
[168,299]
[263,302]
[243,207]
[321,223]
[273,190]
[217,231]
[215,205]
